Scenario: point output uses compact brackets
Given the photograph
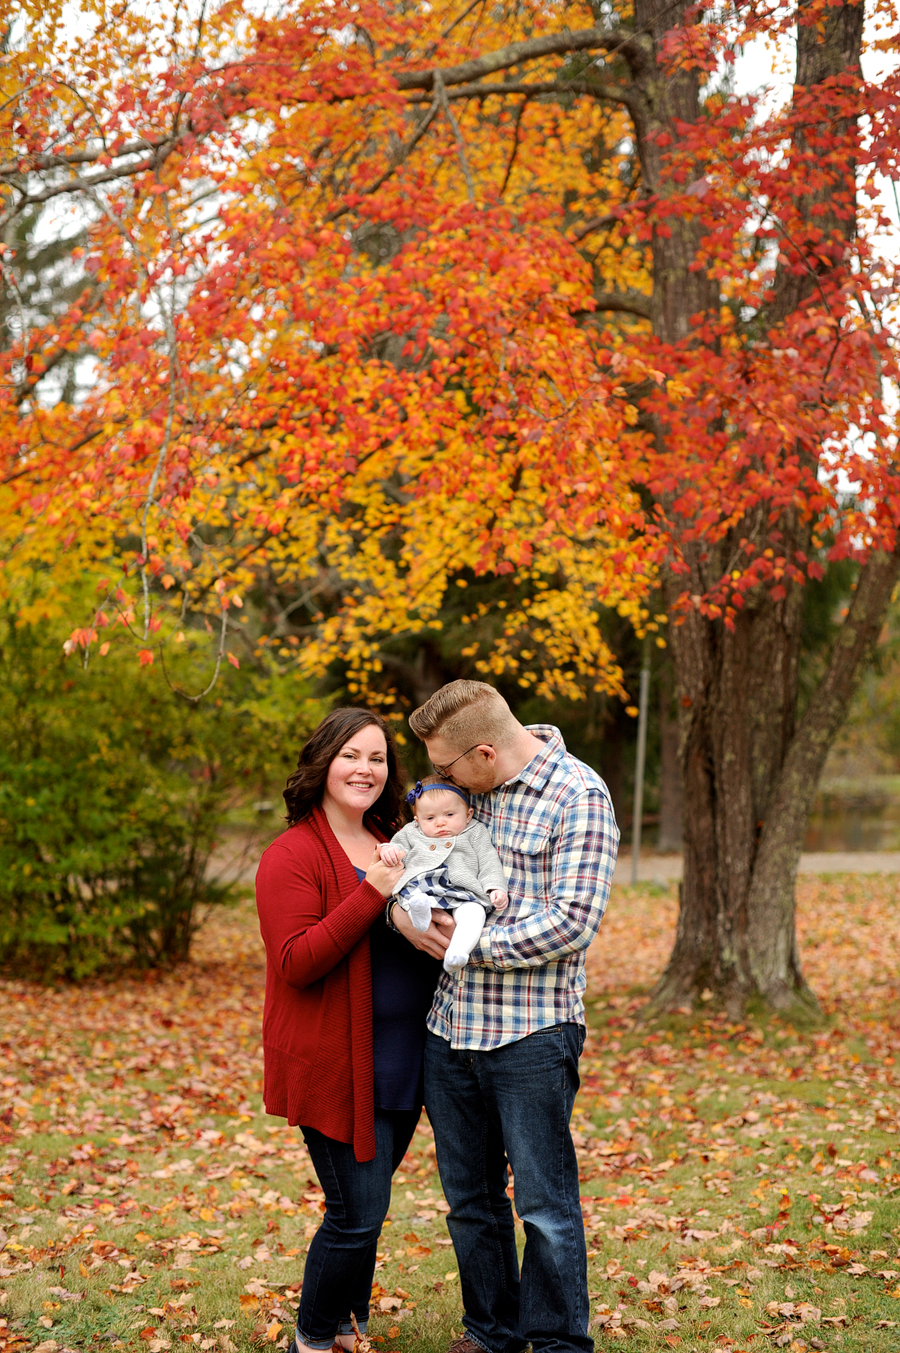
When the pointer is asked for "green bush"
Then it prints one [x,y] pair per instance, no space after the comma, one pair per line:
[114,790]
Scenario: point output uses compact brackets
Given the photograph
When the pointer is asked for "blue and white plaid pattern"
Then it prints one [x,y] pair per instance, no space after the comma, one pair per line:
[441,892]
[556,835]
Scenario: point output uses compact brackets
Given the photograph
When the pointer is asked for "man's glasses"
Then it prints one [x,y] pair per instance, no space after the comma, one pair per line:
[445,770]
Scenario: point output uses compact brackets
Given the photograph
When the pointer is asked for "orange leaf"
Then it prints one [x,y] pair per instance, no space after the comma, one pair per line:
[145,657]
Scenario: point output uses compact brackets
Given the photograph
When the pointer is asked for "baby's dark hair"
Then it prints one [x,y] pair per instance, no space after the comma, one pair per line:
[429,781]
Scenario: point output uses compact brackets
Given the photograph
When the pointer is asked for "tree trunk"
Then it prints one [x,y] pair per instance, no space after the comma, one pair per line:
[749,774]
[736,932]
[670,778]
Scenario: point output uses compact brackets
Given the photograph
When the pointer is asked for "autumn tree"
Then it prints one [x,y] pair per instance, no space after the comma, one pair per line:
[384,301]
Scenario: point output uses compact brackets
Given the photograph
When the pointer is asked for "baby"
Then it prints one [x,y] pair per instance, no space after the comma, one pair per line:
[450,863]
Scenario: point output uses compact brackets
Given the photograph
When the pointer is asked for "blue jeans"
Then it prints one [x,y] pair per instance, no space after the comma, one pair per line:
[511,1107]
[340,1265]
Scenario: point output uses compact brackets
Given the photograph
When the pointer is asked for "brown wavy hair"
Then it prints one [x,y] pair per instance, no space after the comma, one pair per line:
[306,785]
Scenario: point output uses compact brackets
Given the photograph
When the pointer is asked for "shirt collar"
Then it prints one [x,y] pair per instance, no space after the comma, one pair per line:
[542,764]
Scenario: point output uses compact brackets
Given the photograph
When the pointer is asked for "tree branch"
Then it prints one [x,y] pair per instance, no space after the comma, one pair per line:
[596,223]
[59,161]
[441,94]
[402,154]
[529,49]
[627,302]
[515,150]
[461,17]
[613,93]
[85,184]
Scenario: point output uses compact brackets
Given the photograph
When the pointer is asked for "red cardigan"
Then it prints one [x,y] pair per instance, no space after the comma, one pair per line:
[314,916]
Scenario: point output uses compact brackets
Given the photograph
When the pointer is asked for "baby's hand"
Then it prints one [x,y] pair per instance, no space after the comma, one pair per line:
[392,855]
[499,897]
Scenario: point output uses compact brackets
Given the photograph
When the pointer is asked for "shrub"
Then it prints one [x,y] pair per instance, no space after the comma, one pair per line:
[114,790]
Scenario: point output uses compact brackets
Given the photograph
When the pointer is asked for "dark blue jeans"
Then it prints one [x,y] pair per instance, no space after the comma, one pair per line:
[341,1260]
[511,1107]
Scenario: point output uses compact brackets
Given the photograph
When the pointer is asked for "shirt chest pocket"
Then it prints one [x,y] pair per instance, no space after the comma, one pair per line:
[528,853]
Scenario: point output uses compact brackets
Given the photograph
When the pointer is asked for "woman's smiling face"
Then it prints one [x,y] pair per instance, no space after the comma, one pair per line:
[358,773]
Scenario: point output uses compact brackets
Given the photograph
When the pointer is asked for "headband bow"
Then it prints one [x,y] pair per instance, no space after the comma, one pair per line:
[421,789]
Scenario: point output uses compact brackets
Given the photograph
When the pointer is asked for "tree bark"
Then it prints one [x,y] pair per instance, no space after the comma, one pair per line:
[670,778]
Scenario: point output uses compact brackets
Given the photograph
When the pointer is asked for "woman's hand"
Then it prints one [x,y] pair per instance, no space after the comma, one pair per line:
[435,939]
[382,875]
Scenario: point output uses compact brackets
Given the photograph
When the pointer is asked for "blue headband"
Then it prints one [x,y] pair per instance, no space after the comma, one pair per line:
[420,789]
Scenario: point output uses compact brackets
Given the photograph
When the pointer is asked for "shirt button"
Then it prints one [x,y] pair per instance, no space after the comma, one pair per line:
[432,847]
[448,844]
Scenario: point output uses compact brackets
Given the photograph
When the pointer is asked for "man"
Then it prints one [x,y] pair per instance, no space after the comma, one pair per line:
[501,1061]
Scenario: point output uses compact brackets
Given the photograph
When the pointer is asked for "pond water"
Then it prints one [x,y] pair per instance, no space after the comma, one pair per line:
[849,815]
[866,817]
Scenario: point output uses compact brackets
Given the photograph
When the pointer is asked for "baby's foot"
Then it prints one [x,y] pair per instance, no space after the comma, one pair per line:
[455,960]
[419,908]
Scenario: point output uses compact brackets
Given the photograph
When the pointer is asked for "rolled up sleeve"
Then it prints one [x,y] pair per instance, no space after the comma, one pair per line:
[582,856]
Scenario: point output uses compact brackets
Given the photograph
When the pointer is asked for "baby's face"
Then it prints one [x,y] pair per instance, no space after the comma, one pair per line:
[439,812]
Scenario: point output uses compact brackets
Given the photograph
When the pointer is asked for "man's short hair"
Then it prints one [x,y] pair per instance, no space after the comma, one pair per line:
[465,713]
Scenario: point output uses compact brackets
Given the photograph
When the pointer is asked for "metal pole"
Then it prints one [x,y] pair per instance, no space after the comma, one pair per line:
[639,767]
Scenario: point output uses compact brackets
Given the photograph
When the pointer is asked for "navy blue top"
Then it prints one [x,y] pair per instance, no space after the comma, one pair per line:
[403,983]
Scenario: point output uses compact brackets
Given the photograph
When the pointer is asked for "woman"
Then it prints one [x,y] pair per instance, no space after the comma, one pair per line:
[346,1000]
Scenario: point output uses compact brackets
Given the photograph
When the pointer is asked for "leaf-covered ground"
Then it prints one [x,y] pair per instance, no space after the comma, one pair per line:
[739,1181]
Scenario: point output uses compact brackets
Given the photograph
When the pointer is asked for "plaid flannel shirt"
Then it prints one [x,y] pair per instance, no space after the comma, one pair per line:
[556,835]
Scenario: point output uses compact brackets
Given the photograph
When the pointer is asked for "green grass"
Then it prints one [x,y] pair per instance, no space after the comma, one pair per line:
[739,1180]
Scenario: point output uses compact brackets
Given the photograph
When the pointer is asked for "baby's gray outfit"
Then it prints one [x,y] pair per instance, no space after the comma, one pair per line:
[473,864]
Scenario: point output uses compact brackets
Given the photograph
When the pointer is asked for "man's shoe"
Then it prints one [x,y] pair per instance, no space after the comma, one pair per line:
[465,1345]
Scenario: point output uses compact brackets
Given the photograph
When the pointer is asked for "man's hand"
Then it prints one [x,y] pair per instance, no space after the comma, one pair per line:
[392,855]
[435,939]
[499,897]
